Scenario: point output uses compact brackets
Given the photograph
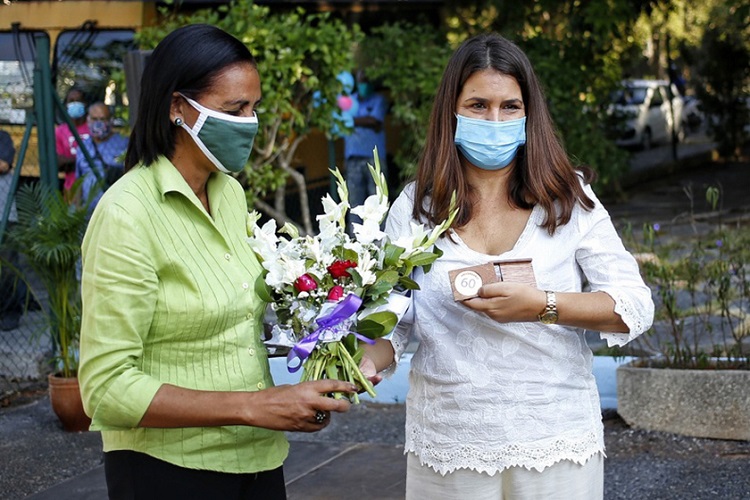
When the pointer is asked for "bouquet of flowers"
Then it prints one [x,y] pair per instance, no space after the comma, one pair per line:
[329,292]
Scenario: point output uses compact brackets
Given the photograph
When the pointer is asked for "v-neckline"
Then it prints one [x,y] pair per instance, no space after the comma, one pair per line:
[532,220]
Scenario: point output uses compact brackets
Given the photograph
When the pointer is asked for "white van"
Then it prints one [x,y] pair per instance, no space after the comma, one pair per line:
[648,106]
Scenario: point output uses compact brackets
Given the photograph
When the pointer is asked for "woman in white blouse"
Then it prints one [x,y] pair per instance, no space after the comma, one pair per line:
[502,401]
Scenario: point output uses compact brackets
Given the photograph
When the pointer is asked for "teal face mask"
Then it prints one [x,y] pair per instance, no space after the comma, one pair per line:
[226,140]
[364,89]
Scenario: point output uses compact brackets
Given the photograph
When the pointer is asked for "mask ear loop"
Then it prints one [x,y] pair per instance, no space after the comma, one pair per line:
[218,114]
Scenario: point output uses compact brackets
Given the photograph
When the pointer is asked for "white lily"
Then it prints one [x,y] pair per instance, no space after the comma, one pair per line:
[333,213]
[316,251]
[368,232]
[373,209]
[412,242]
[290,229]
[331,237]
[277,276]
[264,240]
[365,265]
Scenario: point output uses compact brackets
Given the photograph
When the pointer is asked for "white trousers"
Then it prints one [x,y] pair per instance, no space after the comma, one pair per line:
[564,480]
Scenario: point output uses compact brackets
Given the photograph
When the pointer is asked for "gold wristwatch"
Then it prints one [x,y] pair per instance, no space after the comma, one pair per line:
[549,315]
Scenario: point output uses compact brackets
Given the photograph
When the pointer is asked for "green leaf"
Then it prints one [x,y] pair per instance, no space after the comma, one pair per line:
[423,259]
[390,276]
[377,324]
[349,343]
[356,277]
[408,283]
[262,289]
[384,283]
[392,254]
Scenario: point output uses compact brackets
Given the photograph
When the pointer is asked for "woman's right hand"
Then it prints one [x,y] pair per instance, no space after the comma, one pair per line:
[294,407]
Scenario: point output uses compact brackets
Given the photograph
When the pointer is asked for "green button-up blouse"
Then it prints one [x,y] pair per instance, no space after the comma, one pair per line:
[168,297]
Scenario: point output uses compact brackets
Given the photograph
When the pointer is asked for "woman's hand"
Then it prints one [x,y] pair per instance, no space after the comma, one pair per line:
[369,370]
[514,302]
[295,407]
[283,408]
[507,302]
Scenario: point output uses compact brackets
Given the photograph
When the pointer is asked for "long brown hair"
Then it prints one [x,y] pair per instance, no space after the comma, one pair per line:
[543,173]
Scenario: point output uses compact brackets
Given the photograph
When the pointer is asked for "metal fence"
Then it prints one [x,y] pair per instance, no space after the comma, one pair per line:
[25,347]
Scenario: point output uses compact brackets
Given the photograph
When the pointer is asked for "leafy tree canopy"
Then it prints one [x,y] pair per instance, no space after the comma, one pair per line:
[299,55]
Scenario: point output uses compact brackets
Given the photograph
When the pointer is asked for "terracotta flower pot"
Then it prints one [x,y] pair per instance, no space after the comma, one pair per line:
[65,396]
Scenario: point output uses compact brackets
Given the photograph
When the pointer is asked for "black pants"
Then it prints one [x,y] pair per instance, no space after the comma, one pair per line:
[136,476]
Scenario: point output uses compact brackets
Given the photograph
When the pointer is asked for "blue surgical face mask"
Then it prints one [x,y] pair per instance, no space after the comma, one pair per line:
[488,144]
[226,140]
[75,109]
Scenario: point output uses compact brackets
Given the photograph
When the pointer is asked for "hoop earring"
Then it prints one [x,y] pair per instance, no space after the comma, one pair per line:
[178,122]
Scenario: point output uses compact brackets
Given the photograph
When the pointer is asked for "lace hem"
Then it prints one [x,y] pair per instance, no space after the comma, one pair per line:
[448,459]
[637,320]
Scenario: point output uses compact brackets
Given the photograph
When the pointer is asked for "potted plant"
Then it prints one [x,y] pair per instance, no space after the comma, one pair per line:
[692,375]
[48,235]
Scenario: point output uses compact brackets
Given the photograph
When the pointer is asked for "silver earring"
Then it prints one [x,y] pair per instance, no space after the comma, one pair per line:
[178,122]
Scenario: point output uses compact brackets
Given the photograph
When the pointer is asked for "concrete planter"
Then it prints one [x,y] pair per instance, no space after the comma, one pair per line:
[700,403]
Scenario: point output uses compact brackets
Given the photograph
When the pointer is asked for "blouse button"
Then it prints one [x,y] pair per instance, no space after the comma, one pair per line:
[245,286]
[249,316]
[260,385]
[251,351]
[227,256]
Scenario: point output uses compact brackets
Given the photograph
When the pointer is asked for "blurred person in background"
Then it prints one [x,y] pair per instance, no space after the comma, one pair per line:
[65,142]
[12,290]
[368,133]
[107,148]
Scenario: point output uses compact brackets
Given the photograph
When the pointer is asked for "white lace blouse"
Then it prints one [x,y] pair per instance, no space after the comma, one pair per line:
[485,395]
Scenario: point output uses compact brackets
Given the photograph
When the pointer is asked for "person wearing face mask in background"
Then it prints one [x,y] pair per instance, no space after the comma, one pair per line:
[173,371]
[502,402]
[13,291]
[65,142]
[107,148]
[368,133]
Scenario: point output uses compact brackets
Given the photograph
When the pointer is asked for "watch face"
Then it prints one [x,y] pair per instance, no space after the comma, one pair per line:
[548,317]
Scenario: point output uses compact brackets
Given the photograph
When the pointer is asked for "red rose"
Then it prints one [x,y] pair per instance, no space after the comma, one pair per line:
[335,293]
[305,283]
[339,268]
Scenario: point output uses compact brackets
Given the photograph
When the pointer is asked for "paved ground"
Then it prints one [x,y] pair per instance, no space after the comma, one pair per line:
[359,456]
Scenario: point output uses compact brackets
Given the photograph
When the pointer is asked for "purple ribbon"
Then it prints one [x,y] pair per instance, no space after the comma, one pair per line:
[343,310]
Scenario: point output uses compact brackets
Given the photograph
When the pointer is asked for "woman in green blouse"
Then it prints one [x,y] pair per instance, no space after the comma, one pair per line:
[173,371]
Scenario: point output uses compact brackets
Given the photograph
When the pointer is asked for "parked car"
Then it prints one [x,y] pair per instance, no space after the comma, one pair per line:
[647,107]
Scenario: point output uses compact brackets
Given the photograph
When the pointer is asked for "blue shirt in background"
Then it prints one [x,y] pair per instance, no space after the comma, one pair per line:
[112,152]
[363,139]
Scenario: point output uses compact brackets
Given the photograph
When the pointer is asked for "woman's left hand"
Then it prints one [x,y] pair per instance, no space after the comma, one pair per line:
[507,302]
[367,366]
